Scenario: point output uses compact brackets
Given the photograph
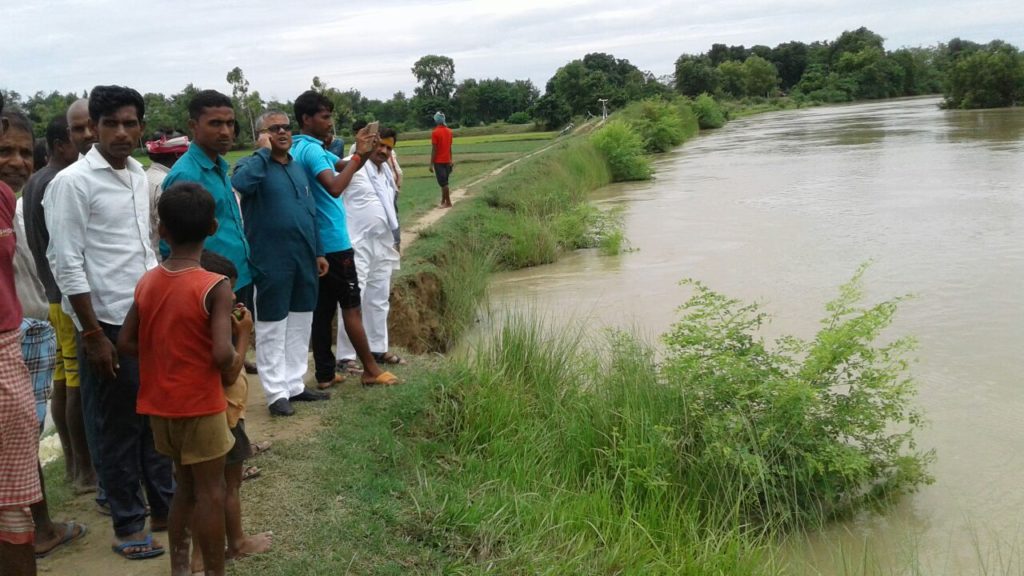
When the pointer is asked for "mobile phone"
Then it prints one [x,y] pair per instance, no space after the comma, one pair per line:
[373,127]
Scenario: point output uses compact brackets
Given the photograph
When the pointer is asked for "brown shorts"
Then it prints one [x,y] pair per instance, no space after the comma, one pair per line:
[192,440]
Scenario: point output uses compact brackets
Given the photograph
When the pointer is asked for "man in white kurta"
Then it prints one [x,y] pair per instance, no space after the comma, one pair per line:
[373,228]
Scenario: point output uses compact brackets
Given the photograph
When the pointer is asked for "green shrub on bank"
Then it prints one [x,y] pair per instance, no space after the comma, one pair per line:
[662,125]
[569,457]
[801,431]
[709,112]
[623,147]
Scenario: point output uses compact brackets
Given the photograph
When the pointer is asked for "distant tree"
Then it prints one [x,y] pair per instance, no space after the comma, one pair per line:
[581,83]
[718,54]
[854,41]
[695,75]
[986,78]
[761,51]
[435,75]
[553,111]
[872,72]
[42,107]
[738,53]
[247,107]
[920,70]
[760,77]
[732,78]
[393,112]
[790,59]
[348,104]
[436,78]
[161,115]
[490,100]
[11,98]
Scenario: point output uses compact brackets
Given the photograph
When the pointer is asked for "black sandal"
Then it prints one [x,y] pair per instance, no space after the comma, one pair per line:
[388,358]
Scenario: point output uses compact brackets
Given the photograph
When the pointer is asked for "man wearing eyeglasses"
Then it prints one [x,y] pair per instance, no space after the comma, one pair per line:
[287,259]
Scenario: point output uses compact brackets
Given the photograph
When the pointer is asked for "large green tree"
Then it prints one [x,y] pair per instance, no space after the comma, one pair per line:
[696,75]
[986,78]
[760,77]
[577,88]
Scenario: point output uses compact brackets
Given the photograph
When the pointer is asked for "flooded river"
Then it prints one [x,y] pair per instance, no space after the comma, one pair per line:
[781,208]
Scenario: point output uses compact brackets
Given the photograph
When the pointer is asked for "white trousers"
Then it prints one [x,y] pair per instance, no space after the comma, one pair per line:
[282,355]
[375,259]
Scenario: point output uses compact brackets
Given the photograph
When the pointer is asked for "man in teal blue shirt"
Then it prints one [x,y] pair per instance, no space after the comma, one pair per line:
[340,286]
[212,121]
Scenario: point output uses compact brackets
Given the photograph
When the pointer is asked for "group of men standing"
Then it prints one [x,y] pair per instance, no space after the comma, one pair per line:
[305,231]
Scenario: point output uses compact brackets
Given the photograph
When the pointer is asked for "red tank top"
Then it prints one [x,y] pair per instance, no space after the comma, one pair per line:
[177,374]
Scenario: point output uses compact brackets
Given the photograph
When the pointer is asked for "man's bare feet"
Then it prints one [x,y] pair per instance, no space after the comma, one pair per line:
[255,544]
[250,545]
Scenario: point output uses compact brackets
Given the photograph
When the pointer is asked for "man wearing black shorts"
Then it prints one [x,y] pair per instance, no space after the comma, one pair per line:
[441,157]
[329,176]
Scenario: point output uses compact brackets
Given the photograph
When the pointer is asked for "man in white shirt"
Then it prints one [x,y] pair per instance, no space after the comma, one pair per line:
[372,220]
[100,205]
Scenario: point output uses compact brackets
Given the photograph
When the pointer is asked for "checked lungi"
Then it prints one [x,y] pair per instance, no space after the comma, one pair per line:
[19,444]
[39,349]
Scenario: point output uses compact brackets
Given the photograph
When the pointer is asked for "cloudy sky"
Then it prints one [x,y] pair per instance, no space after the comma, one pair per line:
[160,46]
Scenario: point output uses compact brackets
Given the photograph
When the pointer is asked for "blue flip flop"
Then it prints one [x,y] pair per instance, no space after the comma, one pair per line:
[147,542]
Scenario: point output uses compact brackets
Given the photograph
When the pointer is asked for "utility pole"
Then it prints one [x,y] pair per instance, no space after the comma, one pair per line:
[604,108]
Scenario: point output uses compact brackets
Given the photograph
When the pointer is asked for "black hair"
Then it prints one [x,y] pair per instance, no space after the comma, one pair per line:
[389,132]
[309,103]
[358,125]
[207,99]
[186,210]
[107,100]
[40,155]
[214,262]
[57,131]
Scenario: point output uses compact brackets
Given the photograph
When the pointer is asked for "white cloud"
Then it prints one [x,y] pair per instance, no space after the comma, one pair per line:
[161,46]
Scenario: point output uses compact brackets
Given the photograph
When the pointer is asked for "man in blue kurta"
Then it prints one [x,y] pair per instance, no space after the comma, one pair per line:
[287,258]
[212,121]
[328,177]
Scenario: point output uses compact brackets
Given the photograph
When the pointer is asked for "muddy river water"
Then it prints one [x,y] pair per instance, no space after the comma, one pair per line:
[781,208]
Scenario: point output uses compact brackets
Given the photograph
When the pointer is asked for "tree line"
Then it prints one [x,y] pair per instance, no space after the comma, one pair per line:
[854,66]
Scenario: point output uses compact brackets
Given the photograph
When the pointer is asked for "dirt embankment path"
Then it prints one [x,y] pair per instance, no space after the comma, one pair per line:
[411,233]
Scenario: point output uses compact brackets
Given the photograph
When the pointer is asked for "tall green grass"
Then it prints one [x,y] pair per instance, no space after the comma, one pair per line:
[709,111]
[576,456]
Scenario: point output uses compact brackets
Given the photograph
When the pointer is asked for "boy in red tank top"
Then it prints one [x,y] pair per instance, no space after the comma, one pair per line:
[181,327]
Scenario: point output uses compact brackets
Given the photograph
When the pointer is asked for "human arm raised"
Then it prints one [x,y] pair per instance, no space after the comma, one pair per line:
[335,181]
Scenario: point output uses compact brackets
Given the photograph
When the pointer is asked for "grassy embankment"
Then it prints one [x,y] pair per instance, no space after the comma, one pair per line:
[546,453]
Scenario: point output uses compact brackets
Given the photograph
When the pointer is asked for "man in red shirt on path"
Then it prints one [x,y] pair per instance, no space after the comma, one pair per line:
[441,157]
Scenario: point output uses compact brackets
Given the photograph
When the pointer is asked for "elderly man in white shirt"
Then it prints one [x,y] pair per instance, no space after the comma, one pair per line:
[98,209]
[372,219]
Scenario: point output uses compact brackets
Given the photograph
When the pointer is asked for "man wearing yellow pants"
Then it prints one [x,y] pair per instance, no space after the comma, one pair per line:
[66,406]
